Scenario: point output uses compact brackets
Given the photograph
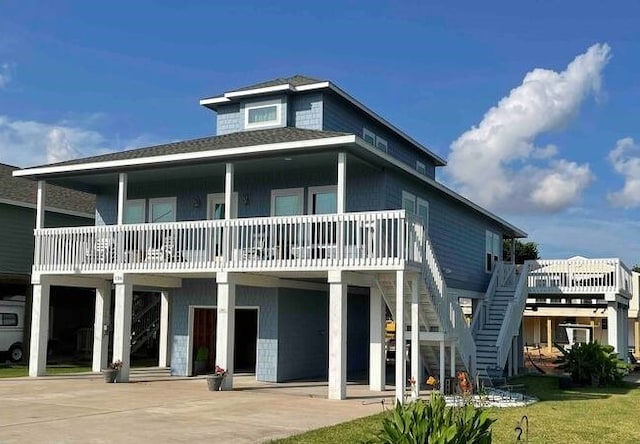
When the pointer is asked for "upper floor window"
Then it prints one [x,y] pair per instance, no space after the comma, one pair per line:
[323,200]
[416,205]
[421,168]
[375,140]
[162,209]
[493,247]
[263,114]
[134,211]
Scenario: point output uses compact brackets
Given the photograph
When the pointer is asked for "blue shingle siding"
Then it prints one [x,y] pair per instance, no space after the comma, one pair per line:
[340,116]
[303,334]
[203,292]
[364,187]
[229,119]
[306,111]
[456,232]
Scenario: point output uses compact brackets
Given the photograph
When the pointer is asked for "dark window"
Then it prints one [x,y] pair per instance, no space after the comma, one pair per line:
[8,319]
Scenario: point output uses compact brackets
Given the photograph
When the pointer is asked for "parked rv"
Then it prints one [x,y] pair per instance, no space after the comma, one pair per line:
[12,327]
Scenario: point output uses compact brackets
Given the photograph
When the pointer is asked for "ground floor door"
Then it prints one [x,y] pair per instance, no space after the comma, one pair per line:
[246,337]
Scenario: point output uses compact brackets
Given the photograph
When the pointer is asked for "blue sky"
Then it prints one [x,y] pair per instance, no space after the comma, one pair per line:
[550,87]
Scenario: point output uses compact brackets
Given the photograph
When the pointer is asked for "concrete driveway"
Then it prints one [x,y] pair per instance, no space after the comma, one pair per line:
[81,409]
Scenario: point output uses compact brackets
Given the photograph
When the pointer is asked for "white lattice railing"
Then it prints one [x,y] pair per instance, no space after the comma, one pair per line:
[380,239]
[512,317]
[448,309]
[579,276]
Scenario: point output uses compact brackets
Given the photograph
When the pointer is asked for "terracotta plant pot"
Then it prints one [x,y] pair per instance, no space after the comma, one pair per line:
[214,382]
[110,375]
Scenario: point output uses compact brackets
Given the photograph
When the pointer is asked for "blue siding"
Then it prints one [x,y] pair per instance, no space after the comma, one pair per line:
[340,116]
[228,119]
[456,232]
[303,323]
[203,292]
[363,190]
[16,226]
[306,111]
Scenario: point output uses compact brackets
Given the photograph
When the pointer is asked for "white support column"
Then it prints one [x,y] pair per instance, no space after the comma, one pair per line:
[40,204]
[342,183]
[163,353]
[636,336]
[225,332]
[377,358]
[536,331]
[337,335]
[122,196]
[122,325]
[401,356]
[39,328]
[228,190]
[101,327]
[416,364]
[443,374]
[612,325]
[624,333]
[452,359]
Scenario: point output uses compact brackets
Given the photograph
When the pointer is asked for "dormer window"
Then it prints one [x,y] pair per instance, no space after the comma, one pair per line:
[263,114]
[375,140]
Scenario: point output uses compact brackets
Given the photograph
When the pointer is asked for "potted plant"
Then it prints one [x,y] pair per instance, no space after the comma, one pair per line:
[202,357]
[112,371]
[214,380]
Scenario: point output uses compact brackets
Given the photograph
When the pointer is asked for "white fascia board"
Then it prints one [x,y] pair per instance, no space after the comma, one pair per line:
[226,97]
[360,142]
[16,203]
[210,154]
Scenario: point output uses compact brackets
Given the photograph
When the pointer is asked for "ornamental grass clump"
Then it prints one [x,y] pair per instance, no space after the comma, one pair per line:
[434,423]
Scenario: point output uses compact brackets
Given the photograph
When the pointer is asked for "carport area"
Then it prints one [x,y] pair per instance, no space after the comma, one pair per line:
[82,408]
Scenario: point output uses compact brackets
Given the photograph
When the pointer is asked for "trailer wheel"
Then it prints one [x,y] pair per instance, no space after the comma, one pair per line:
[15,353]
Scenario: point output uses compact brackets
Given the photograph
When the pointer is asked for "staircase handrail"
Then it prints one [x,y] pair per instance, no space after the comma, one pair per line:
[512,317]
[448,309]
[480,316]
[144,311]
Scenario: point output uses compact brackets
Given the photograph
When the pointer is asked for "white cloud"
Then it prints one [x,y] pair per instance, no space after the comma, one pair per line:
[497,163]
[5,74]
[27,143]
[625,158]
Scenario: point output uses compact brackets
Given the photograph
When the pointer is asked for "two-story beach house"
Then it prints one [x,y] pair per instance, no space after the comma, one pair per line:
[279,244]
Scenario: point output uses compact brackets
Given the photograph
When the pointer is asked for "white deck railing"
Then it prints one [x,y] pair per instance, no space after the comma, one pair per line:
[374,240]
[579,276]
[448,309]
[513,315]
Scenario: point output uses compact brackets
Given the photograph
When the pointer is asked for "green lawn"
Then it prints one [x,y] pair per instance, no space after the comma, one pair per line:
[587,415]
[17,370]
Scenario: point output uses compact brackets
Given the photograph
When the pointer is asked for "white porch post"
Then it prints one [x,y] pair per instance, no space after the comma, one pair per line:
[40,204]
[225,331]
[122,325]
[636,336]
[122,196]
[401,356]
[342,183]
[228,190]
[163,353]
[39,327]
[377,358]
[337,335]
[452,359]
[612,325]
[101,320]
[416,364]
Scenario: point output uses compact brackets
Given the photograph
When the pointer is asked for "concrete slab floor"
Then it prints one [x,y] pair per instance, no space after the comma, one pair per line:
[83,409]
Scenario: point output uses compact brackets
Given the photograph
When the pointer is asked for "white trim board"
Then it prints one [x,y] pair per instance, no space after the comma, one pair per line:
[300,145]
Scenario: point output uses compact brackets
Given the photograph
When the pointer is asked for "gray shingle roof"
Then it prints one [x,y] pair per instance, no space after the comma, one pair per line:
[296,80]
[232,140]
[20,189]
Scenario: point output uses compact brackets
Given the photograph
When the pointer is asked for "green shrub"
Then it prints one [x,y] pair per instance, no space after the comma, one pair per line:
[433,423]
[593,364]
[202,354]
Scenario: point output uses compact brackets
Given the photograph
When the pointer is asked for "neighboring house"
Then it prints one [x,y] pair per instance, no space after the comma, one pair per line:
[582,300]
[65,208]
[277,243]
